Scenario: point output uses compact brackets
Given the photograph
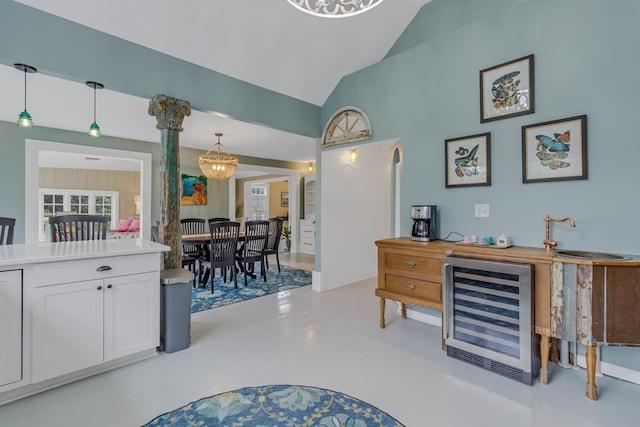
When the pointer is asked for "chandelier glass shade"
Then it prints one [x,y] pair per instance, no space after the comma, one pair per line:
[218,164]
[335,8]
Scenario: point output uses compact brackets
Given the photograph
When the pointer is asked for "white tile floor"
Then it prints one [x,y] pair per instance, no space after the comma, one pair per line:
[329,340]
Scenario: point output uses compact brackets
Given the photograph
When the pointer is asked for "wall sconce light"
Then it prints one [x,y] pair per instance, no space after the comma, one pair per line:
[136,201]
[24,119]
[310,166]
[353,156]
[94,129]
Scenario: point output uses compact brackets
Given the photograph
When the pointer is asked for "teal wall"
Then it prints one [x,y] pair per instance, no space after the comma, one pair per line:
[71,51]
[427,90]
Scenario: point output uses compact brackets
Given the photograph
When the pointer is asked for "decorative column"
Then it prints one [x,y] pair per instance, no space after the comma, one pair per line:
[169,113]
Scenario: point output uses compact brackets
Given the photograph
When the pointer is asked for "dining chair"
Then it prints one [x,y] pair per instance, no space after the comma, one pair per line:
[191,252]
[6,230]
[217,219]
[273,241]
[252,250]
[69,228]
[222,252]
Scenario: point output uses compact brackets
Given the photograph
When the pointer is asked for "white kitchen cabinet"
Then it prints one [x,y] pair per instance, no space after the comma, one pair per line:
[84,323]
[307,239]
[10,326]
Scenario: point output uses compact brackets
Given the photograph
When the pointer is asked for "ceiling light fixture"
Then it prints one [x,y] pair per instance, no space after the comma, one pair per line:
[24,119]
[218,165]
[94,129]
[335,8]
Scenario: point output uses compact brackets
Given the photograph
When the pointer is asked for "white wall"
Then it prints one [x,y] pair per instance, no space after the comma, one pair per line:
[356,205]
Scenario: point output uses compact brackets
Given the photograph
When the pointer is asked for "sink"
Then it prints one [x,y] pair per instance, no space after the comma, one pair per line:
[588,255]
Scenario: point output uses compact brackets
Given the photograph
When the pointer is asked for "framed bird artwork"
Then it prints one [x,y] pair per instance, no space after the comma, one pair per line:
[468,161]
[506,90]
[555,150]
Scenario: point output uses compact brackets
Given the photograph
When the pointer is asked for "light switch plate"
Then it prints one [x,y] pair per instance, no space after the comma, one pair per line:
[482,211]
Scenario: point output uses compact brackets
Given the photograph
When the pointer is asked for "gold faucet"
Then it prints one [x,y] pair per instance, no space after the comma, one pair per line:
[548,243]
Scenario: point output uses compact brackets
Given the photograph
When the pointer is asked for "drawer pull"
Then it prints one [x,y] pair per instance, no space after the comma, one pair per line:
[410,286]
[410,264]
[109,286]
[99,288]
[104,268]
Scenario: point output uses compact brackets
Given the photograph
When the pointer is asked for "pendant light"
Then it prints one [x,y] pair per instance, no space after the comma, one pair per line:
[24,119]
[218,165]
[94,129]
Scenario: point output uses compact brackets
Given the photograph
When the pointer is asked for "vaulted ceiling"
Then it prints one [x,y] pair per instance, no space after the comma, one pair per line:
[268,43]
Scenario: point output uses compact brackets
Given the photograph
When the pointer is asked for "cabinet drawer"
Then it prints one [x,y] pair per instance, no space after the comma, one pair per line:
[414,264]
[412,287]
[95,268]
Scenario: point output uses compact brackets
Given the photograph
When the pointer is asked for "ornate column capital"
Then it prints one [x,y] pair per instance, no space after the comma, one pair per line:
[169,112]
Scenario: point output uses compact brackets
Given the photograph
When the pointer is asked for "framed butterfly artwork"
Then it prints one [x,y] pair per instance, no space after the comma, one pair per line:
[506,90]
[555,150]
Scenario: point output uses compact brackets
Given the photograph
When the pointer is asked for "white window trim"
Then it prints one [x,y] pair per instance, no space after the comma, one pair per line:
[67,193]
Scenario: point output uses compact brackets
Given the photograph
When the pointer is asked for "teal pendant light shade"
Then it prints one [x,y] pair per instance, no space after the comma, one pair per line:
[94,129]
[24,119]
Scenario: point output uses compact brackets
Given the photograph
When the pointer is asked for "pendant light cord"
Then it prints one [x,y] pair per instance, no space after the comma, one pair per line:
[94,103]
[25,89]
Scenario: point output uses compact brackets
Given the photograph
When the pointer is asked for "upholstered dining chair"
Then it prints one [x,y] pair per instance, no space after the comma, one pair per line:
[191,253]
[273,241]
[252,250]
[6,230]
[69,228]
[222,251]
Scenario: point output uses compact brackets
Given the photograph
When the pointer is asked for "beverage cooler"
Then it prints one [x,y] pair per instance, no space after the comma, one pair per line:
[488,316]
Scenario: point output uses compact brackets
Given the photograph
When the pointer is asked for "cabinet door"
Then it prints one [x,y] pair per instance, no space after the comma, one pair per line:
[132,314]
[67,323]
[10,326]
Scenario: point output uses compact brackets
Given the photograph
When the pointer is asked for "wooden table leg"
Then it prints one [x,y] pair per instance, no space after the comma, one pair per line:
[403,310]
[592,389]
[554,350]
[544,358]
[382,303]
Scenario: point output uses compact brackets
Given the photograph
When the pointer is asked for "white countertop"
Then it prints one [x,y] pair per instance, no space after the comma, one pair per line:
[67,251]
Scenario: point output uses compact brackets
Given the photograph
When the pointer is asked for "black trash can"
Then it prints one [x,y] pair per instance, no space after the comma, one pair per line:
[175,313]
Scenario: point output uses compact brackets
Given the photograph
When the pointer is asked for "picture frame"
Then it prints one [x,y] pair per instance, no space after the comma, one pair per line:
[507,90]
[555,150]
[284,198]
[194,189]
[468,161]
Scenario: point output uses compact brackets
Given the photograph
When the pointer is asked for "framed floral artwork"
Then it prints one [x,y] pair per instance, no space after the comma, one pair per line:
[506,90]
[555,150]
[468,161]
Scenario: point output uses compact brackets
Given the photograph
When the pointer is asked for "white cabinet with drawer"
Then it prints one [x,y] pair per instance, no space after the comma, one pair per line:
[93,311]
[82,324]
[307,239]
[10,327]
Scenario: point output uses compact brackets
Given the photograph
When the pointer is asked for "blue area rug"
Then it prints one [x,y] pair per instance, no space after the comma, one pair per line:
[277,405]
[225,293]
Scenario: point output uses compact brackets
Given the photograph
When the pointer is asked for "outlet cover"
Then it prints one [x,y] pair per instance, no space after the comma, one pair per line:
[482,211]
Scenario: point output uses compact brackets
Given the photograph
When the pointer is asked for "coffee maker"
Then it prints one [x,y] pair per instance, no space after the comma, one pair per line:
[425,223]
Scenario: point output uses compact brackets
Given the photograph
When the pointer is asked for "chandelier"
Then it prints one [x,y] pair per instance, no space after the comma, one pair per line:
[218,165]
[335,8]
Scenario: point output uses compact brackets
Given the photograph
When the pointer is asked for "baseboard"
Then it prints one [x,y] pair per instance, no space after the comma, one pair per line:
[604,368]
[423,317]
[612,370]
